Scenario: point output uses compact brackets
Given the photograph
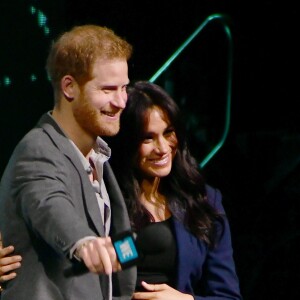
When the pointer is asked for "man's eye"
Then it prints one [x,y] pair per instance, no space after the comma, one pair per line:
[107,90]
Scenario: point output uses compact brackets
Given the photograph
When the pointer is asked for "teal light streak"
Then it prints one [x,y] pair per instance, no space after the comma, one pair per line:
[33,77]
[32,10]
[41,19]
[46,30]
[223,19]
[42,22]
[6,81]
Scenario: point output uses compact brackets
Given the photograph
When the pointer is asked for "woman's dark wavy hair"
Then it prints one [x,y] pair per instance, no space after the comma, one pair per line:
[184,187]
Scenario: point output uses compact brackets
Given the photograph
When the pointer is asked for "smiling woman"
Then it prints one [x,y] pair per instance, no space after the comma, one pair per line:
[164,189]
[159,146]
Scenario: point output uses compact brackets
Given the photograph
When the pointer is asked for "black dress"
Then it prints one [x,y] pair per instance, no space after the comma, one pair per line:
[157,250]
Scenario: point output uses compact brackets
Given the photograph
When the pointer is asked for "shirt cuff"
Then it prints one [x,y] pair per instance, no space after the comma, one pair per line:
[72,252]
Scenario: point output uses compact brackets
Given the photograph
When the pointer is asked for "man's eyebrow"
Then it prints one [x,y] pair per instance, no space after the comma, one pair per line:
[109,87]
[112,86]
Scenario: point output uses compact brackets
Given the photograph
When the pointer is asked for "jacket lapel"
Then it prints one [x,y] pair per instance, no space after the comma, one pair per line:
[120,219]
[191,255]
[64,145]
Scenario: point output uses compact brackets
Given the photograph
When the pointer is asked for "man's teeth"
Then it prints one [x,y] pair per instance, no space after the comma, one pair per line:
[109,114]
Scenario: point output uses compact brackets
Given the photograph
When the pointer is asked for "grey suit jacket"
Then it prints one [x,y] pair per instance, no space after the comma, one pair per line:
[47,204]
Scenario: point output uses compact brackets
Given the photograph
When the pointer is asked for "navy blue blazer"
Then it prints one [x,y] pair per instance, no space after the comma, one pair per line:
[205,273]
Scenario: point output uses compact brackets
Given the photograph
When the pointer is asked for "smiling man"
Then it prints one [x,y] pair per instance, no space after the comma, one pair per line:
[59,200]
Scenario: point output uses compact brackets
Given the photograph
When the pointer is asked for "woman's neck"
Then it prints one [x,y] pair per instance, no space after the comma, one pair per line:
[153,200]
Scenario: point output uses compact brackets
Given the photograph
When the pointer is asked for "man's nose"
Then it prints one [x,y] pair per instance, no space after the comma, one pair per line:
[120,99]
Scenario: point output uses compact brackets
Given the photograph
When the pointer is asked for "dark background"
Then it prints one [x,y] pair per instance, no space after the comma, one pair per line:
[257,168]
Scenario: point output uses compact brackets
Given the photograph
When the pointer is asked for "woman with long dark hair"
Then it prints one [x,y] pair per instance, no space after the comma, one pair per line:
[182,231]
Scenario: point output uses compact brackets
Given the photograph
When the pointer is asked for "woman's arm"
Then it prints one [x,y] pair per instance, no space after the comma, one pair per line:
[219,276]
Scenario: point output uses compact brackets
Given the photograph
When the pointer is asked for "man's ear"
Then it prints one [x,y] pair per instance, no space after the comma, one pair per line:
[68,87]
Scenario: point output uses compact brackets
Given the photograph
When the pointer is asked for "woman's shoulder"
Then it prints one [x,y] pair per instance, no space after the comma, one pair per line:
[214,197]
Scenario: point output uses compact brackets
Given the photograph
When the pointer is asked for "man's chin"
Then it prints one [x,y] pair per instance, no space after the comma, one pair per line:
[110,132]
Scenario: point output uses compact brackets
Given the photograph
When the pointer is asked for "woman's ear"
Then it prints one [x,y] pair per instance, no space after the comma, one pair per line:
[68,87]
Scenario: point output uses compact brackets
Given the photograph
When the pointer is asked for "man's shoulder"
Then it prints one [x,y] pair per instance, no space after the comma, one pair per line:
[45,131]
[42,139]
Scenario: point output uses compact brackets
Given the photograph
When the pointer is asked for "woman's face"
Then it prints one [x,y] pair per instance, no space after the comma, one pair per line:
[158,148]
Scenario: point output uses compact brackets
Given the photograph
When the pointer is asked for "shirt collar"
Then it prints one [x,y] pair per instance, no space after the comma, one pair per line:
[102,147]
[100,151]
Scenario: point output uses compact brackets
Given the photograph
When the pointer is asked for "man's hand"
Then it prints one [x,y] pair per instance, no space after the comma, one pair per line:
[99,255]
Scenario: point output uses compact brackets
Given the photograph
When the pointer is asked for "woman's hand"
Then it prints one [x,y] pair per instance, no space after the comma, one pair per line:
[160,292]
[8,263]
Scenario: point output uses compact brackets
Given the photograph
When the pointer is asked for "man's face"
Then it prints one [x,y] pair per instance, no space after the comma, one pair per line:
[101,100]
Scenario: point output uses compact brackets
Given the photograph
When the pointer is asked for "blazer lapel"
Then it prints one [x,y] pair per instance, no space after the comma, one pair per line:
[190,256]
[62,142]
[120,219]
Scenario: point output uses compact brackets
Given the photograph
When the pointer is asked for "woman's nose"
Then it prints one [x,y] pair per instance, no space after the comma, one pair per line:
[162,145]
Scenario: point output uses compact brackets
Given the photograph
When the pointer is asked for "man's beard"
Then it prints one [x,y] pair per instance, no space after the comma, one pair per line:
[89,119]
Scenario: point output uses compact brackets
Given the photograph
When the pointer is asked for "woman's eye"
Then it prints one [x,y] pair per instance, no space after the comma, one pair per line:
[147,140]
[169,132]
